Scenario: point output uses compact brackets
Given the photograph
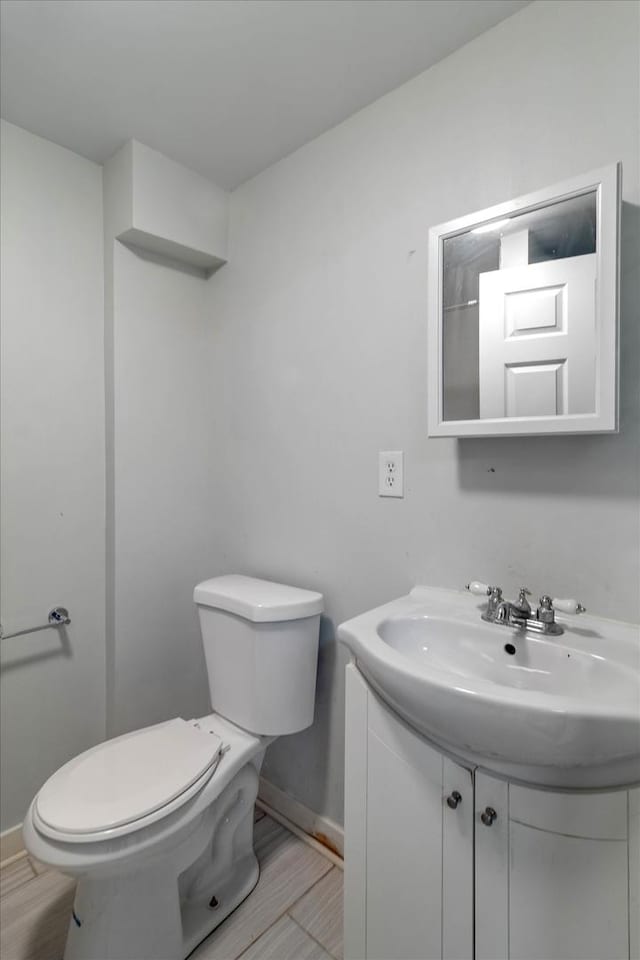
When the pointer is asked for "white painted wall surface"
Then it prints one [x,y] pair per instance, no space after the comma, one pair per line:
[319,352]
[163,505]
[161,509]
[160,206]
[52,511]
[170,200]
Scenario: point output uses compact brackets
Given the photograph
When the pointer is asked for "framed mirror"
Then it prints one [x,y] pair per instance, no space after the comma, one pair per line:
[523,314]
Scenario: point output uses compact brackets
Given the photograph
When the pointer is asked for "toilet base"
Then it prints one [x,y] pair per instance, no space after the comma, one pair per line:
[164,909]
[150,927]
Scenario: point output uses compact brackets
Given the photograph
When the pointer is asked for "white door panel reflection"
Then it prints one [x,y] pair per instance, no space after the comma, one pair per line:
[537,339]
[535,389]
[523,314]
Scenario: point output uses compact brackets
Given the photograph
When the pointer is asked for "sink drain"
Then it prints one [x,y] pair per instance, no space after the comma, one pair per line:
[509,648]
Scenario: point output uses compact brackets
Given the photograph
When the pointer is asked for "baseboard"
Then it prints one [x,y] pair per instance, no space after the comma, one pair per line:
[322,829]
[11,844]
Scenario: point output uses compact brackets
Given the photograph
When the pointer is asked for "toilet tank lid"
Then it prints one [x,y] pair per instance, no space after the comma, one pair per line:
[260,601]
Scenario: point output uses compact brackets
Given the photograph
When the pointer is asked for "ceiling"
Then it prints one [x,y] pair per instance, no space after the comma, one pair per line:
[226,87]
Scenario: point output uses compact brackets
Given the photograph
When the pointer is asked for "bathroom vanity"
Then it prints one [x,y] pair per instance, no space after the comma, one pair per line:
[452,854]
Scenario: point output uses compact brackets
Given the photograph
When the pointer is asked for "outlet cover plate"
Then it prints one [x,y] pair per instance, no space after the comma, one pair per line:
[391,473]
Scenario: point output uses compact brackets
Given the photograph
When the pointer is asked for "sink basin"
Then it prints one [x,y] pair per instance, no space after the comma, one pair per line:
[541,663]
[560,712]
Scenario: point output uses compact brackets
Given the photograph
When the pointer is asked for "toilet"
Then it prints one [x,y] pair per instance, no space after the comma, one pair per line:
[157,825]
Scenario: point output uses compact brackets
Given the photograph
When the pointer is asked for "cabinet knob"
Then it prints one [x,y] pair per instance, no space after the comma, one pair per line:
[453,800]
[488,815]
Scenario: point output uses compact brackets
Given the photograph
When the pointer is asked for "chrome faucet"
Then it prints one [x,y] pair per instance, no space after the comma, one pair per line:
[510,614]
[519,613]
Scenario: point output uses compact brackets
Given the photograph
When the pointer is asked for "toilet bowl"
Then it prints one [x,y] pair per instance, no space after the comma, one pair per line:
[157,825]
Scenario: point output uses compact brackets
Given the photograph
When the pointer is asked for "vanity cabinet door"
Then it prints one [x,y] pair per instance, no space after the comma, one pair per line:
[457,862]
[492,869]
[399,902]
[552,874]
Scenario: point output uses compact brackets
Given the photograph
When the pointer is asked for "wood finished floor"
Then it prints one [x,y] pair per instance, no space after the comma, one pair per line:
[294,913]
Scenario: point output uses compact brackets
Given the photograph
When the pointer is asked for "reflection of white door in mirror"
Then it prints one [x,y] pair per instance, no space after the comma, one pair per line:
[523,314]
[537,351]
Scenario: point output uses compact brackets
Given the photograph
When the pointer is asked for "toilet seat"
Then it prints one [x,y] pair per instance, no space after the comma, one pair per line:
[127,783]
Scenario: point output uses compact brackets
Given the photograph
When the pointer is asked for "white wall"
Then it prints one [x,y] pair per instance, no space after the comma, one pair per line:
[161,511]
[121,540]
[171,201]
[163,505]
[319,352]
[160,206]
[52,511]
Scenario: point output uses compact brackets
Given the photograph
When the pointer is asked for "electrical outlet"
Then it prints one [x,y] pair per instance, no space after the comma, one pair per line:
[390,473]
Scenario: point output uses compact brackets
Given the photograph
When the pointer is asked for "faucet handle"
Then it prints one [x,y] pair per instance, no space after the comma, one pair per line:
[545,612]
[522,604]
[479,588]
[568,605]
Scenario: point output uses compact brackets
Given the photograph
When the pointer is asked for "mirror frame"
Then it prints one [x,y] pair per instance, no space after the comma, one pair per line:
[606,181]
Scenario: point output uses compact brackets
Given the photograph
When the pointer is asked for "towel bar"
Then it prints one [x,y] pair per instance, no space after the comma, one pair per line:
[58,617]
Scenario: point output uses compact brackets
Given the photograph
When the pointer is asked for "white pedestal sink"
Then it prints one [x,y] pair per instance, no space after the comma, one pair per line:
[556,712]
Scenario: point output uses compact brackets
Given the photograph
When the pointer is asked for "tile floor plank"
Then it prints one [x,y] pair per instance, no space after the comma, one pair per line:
[319,912]
[267,833]
[34,918]
[288,867]
[285,940]
[15,874]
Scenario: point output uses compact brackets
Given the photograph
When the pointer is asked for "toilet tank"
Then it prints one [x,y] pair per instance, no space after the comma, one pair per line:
[261,647]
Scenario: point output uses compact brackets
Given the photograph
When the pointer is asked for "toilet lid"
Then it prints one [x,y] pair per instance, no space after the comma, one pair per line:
[127,778]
